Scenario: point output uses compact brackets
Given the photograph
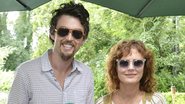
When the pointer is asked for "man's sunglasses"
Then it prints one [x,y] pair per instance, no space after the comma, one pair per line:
[77,34]
[137,63]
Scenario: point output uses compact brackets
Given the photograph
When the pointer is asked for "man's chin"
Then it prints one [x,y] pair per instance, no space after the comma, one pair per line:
[67,57]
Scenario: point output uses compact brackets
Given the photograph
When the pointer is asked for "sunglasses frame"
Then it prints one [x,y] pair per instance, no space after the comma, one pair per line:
[131,62]
[70,31]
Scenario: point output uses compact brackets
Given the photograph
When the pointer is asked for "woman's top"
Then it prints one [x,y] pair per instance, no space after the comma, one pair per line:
[155,98]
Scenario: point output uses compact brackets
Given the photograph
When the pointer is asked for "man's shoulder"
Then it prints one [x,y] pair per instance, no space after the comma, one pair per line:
[83,67]
[30,64]
[80,64]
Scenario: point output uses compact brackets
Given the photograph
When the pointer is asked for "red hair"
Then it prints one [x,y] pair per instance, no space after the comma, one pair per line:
[147,82]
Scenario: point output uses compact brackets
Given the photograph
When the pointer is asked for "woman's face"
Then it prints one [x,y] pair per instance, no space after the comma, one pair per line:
[130,68]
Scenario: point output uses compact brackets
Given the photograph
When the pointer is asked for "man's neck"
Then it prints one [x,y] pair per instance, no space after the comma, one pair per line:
[60,67]
[58,63]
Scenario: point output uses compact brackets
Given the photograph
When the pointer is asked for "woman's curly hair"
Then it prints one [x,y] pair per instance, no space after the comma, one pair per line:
[123,48]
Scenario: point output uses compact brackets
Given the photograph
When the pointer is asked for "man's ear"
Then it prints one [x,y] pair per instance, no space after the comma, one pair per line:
[52,36]
[84,41]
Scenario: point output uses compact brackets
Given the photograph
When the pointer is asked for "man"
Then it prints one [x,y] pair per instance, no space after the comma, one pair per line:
[56,77]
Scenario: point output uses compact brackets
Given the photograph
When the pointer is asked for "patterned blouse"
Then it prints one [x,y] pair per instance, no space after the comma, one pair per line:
[156,98]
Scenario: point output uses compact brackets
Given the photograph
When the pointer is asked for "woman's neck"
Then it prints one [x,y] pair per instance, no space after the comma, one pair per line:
[128,94]
[129,90]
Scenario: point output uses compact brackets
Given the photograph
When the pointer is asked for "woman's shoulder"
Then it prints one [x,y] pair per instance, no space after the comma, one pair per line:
[100,100]
[106,99]
[157,98]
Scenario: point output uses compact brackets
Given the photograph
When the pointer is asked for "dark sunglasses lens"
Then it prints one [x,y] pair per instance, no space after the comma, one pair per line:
[138,63]
[62,32]
[123,63]
[77,34]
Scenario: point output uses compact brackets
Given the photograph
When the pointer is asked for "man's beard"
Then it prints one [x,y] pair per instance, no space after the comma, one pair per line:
[66,57]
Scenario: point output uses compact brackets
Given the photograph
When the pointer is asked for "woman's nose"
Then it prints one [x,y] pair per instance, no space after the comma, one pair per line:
[131,66]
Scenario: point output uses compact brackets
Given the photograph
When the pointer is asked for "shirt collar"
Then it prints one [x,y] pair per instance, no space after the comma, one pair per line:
[76,66]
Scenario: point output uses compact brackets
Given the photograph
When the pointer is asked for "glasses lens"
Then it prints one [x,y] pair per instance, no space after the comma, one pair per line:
[123,63]
[62,32]
[77,34]
[138,63]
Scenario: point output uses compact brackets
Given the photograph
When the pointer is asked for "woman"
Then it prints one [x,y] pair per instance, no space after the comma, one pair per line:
[130,75]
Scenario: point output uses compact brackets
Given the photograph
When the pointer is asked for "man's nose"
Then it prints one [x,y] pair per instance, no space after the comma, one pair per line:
[69,36]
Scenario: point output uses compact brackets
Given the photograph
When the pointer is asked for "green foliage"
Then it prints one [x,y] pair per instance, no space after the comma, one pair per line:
[4,53]
[6,80]
[42,46]
[18,56]
[5,36]
[21,40]
[179,98]
[165,80]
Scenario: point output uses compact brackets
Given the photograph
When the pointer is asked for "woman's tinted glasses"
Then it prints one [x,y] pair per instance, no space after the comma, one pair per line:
[77,34]
[137,63]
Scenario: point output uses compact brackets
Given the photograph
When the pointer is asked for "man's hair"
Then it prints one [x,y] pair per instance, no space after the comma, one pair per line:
[72,9]
[123,48]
